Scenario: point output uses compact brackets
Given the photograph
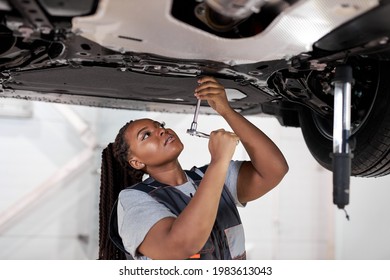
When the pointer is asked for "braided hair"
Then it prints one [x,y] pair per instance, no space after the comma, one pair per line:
[116,174]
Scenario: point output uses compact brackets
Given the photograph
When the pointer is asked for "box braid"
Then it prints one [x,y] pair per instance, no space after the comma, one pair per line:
[116,174]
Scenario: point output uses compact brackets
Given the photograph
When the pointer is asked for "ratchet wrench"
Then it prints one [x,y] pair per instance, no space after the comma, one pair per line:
[192,130]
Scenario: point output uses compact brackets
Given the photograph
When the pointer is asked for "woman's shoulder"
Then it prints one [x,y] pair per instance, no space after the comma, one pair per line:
[133,196]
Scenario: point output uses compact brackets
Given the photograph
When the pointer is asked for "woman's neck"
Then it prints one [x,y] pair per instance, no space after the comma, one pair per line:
[169,174]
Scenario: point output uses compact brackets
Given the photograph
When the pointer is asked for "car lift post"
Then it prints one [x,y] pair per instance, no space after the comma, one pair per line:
[342,154]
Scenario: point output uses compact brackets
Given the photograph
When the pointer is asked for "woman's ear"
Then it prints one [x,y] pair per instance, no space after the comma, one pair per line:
[136,164]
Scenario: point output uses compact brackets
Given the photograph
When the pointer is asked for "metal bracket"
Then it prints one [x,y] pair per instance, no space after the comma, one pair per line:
[35,15]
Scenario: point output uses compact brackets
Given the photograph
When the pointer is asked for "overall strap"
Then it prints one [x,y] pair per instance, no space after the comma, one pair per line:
[197,173]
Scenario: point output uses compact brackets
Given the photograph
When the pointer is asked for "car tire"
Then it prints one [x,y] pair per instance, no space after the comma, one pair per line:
[371,139]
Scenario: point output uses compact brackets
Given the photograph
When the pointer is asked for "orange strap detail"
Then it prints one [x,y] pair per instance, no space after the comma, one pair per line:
[196,256]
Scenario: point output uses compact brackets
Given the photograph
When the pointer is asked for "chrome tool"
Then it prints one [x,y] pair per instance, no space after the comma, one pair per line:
[192,131]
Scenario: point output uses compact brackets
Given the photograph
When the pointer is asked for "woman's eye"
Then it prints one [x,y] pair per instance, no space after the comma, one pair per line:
[146,136]
[162,124]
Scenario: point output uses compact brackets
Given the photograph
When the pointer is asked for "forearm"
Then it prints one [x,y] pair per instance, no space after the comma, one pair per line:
[195,223]
[265,156]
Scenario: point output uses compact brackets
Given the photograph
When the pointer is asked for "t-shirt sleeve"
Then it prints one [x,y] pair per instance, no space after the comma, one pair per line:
[137,213]
[231,180]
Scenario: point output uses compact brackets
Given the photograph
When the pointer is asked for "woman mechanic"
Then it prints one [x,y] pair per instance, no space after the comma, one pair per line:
[178,214]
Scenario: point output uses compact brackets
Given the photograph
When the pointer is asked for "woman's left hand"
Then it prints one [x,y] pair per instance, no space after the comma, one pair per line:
[211,90]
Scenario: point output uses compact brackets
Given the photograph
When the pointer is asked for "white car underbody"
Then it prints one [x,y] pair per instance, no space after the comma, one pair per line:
[146,26]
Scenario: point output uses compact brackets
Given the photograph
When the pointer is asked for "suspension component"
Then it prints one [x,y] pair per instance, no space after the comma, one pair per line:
[341,135]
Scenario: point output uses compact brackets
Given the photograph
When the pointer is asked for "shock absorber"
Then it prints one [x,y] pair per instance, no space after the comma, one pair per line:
[342,153]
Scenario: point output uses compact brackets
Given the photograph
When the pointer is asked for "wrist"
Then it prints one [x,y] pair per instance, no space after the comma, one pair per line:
[226,112]
[217,170]
[220,163]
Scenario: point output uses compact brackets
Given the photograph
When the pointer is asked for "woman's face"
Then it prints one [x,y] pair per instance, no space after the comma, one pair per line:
[151,144]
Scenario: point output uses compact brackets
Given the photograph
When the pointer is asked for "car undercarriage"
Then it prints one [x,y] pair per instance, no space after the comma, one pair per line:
[274,57]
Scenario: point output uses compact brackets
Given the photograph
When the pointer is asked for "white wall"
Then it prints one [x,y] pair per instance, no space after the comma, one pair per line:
[48,187]
[58,220]
[366,235]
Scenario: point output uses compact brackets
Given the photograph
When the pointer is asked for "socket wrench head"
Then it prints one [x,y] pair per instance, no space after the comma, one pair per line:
[191,132]
[197,133]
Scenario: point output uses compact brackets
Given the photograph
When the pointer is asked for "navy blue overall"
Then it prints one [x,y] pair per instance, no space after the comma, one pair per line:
[217,246]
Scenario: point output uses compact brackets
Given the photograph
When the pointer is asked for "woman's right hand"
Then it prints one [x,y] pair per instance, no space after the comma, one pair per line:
[222,145]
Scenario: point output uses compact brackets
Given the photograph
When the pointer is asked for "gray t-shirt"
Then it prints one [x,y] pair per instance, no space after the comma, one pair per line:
[138,211]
